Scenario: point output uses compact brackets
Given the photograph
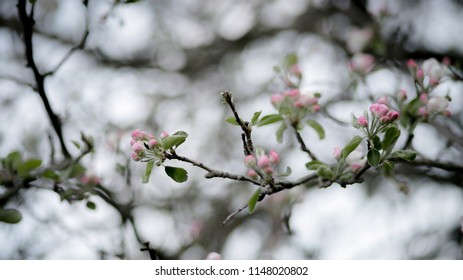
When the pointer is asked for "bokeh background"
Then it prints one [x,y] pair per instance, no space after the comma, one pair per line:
[159,66]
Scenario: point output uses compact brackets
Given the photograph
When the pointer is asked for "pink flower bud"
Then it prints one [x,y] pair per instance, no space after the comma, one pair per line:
[136,157]
[250,161]
[137,134]
[309,100]
[152,143]
[276,99]
[402,95]
[447,113]
[137,147]
[298,104]
[419,74]
[423,112]
[446,61]
[133,141]
[213,256]
[379,110]
[382,100]
[316,108]
[393,115]
[263,162]
[268,170]
[362,63]
[356,166]
[362,121]
[385,119]
[252,173]
[273,156]
[337,152]
[411,64]
[424,98]
[293,93]
[164,134]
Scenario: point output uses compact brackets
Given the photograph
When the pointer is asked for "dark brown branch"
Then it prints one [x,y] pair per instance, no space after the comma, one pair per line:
[27,21]
[302,144]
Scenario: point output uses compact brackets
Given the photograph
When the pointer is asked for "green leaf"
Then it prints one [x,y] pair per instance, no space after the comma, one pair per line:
[373,157]
[255,117]
[324,172]
[280,131]
[290,60]
[50,174]
[231,120]
[377,144]
[269,119]
[351,146]
[317,127]
[253,200]
[76,144]
[408,155]
[25,167]
[174,140]
[146,177]
[10,216]
[314,165]
[91,205]
[287,172]
[13,160]
[390,138]
[388,167]
[77,170]
[178,174]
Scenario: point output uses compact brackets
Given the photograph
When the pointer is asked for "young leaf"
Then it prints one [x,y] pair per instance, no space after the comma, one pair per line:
[280,131]
[253,200]
[25,167]
[76,144]
[324,172]
[146,177]
[390,138]
[377,143]
[50,174]
[388,167]
[13,160]
[10,216]
[269,119]
[290,60]
[255,117]
[287,172]
[317,127]
[408,155]
[314,165]
[373,157]
[351,146]
[178,174]
[77,170]
[174,140]
[91,205]
[231,120]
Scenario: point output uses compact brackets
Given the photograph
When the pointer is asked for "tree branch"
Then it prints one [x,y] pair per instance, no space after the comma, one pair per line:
[27,21]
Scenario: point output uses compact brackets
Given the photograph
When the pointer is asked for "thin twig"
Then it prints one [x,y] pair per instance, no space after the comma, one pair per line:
[303,145]
[229,217]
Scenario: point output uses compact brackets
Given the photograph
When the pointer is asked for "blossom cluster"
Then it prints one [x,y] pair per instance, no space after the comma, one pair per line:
[381,116]
[433,106]
[294,104]
[263,163]
[146,146]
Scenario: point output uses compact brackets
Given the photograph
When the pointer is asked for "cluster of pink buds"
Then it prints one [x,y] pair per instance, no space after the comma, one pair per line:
[430,73]
[433,106]
[294,103]
[145,145]
[264,163]
[381,116]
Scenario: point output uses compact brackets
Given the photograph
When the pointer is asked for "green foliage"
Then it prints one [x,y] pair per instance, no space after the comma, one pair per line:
[253,200]
[390,138]
[27,166]
[351,146]
[373,157]
[76,170]
[290,60]
[269,119]
[324,172]
[10,216]
[178,174]
[146,177]
[174,140]
[231,120]
[255,118]
[280,131]
[314,165]
[408,155]
[91,205]
[317,127]
[286,173]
